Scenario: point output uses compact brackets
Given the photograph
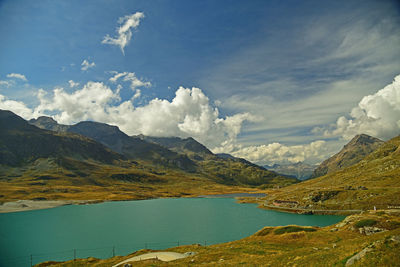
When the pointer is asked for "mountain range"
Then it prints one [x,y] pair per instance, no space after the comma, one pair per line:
[100,151]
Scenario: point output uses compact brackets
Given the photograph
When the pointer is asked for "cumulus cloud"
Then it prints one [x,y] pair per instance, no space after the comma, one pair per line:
[377,115]
[124,31]
[87,65]
[17,107]
[278,153]
[72,83]
[17,76]
[188,114]
[89,103]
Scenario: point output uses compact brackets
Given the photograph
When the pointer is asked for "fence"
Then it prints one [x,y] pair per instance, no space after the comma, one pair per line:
[100,252]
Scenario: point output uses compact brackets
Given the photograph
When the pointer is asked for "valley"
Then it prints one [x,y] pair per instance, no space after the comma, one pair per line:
[106,164]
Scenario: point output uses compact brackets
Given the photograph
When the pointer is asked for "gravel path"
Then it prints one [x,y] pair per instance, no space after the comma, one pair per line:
[162,256]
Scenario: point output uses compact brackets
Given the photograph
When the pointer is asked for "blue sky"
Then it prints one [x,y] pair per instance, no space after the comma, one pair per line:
[274,77]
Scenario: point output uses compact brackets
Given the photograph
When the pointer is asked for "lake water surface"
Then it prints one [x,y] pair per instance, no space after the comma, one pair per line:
[101,230]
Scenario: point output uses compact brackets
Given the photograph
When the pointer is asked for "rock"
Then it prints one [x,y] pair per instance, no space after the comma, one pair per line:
[324,195]
[127,265]
[334,229]
[306,212]
[334,245]
[340,225]
[369,230]
[358,256]
[189,253]
[395,238]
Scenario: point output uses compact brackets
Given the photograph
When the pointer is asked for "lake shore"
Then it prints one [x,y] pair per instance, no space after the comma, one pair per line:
[27,205]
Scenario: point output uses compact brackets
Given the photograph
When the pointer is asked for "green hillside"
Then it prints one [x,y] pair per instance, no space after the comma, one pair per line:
[374,181]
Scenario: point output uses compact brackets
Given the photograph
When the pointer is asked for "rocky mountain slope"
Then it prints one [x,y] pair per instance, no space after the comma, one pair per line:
[116,140]
[48,123]
[352,153]
[132,147]
[21,143]
[187,146]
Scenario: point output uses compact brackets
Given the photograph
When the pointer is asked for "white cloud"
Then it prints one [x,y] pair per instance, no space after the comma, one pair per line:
[310,74]
[89,103]
[135,82]
[87,65]
[377,115]
[17,76]
[130,77]
[72,83]
[17,107]
[124,30]
[6,83]
[188,114]
[278,153]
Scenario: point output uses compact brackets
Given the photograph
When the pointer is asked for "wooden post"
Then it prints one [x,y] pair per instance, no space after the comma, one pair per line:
[113,252]
[31,261]
[74,254]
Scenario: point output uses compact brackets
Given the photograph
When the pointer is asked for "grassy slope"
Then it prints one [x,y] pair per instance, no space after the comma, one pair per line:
[299,246]
[67,178]
[375,181]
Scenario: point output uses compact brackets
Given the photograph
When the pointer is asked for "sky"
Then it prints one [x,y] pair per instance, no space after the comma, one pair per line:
[270,81]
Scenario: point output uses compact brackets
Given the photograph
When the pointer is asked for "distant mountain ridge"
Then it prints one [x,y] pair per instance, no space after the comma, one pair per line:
[300,170]
[353,152]
[188,146]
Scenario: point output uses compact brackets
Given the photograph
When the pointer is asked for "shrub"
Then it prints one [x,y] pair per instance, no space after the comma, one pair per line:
[293,229]
[366,222]
[264,231]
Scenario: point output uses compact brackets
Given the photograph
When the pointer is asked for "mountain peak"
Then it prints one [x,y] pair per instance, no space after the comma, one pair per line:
[364,139]
[48,123]
[353,152]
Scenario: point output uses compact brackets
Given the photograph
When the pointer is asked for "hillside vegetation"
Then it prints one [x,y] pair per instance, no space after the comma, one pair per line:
[374,181]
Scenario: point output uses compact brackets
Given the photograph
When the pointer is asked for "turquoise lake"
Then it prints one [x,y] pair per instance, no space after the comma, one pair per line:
[99,230]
